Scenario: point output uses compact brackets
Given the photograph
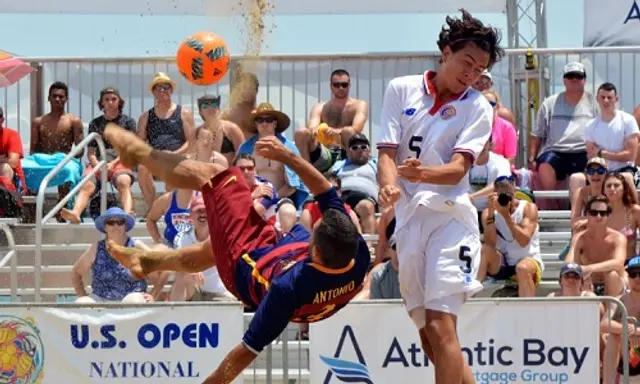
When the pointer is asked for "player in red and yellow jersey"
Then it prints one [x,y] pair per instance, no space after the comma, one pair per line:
[297,276]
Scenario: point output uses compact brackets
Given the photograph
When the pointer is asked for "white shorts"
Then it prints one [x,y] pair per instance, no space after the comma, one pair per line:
[438,260]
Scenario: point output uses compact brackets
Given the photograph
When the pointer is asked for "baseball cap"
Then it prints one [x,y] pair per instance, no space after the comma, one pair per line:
[196,203]
[358,138]
[574,67]
[108,91]
[572,268]
[487,74]
[634,263]
[597,161]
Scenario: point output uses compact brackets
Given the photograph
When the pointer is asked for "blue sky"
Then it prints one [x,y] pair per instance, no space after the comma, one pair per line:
[140,36]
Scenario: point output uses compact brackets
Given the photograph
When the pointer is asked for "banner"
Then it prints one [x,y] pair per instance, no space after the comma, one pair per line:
[504,342]
[150,344]
[611,23]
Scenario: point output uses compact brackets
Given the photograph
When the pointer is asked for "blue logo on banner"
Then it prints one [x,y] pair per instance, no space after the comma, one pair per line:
[347,371]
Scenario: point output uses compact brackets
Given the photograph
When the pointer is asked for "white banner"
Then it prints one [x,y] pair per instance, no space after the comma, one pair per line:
[504,343]
[611,23]
[152,344]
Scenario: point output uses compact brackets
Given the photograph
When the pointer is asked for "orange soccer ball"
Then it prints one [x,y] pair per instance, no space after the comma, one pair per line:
[203,58]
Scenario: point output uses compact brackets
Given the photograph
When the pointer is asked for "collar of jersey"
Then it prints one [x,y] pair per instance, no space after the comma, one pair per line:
[430,89]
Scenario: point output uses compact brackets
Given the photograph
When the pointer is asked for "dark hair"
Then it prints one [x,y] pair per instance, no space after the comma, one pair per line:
[597,199]
[608,87]
[337,239]
[59,85]
[458,33]
[110,91]
[339,72]
[244,156]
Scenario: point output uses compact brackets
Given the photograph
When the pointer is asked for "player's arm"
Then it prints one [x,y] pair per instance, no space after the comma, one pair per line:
[470,143]
[271,318]
[390,128]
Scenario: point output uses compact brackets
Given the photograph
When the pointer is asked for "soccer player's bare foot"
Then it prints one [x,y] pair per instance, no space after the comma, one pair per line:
[129,146]
[130,257]
[70,216]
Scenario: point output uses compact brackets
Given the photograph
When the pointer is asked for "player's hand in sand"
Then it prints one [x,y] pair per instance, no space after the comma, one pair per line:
[131,258]
[271,148]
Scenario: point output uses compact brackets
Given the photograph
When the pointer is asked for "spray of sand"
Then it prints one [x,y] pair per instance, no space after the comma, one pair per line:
[254,13]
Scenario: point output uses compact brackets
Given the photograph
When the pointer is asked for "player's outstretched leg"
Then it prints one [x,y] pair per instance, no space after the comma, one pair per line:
[176,170]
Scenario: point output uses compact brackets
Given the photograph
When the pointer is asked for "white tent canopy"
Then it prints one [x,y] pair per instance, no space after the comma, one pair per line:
[231,7]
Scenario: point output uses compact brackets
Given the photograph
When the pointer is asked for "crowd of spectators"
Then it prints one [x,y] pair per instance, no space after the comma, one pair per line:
[581,143]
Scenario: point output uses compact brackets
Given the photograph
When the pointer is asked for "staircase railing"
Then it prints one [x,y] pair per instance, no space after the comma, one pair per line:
[40,220]
[11,256]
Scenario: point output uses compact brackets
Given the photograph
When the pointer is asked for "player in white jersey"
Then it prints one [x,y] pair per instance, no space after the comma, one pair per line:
[433,126]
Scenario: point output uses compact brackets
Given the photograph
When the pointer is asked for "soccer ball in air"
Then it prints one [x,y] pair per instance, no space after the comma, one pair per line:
[203,58]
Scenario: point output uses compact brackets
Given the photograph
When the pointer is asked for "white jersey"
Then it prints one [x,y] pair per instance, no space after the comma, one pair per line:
[420,126]
[611,135]
[510,249]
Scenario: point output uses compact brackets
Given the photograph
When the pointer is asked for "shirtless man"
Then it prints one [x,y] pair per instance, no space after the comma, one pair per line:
[244,94]
[344,116]
[58,130]
[600,250]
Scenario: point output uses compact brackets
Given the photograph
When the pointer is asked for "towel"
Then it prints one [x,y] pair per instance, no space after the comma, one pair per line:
[37,166]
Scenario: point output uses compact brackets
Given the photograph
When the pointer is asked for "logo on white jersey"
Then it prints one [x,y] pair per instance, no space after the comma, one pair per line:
[448,112]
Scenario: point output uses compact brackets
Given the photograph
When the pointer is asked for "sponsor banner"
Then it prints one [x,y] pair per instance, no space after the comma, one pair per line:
[611,23]
[504,342]
[150,344]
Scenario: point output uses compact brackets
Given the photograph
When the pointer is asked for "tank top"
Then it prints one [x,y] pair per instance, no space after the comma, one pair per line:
[508,246]
[166,134]
[173,218]
[111,280]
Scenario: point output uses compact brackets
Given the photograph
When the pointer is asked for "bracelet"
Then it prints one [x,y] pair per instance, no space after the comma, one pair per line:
[491,220]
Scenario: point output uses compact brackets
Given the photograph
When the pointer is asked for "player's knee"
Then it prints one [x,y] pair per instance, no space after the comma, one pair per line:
[440,329]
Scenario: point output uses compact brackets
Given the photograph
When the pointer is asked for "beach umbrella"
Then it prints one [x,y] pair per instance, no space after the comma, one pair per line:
[12,69]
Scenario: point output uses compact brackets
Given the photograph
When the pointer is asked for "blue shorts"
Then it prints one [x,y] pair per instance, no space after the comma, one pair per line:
[565,164]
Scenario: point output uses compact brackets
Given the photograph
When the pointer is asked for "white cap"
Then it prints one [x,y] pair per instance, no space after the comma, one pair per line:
[574,67]
[487,74]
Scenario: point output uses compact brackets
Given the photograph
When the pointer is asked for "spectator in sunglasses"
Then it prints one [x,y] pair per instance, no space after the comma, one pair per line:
[557,147]
[228,135]
[265,197]
[595,174]
[503,132]
[511,249]
[600,250]
[331,124]
[359,181]
[110,280]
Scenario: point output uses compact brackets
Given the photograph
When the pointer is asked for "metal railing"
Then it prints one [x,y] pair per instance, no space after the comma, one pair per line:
[11,256]
[40,220]
[294,83]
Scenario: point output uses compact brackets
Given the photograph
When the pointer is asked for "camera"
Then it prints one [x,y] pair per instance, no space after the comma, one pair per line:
[504,198]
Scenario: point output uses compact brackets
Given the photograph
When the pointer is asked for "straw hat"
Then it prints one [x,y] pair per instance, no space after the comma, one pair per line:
[266,109]
[161,78]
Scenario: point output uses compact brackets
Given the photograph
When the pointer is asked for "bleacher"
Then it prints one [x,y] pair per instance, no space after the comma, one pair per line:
[63,243]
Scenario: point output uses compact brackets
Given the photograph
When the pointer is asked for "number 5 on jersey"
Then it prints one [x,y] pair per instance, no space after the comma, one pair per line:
[414,145]
[465,258]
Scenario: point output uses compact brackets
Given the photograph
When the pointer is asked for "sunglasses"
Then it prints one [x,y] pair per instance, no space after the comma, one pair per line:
[361,147]
[163,87]
[504,178]
[340,85]
[596,212]
[114,222]
[247,168]
[598,170]
[633,275]
[572,275]
[574,76]
[209,104]
[261,120]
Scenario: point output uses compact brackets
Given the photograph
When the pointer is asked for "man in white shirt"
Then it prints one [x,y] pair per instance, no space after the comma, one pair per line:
[612,135]
[488,167]
[433,127]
